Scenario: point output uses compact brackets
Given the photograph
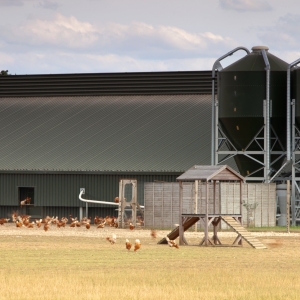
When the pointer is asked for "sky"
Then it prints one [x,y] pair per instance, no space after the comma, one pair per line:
[96,36]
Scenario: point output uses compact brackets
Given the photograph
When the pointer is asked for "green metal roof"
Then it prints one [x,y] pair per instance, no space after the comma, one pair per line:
[151,133]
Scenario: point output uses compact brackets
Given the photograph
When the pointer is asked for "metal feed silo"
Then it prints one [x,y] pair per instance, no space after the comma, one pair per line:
[244,96]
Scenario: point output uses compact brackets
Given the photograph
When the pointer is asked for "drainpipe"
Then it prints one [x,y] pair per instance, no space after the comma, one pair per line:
[267,118]
[214,130]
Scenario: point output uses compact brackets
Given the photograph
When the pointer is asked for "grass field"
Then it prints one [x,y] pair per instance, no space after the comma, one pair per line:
[68,267]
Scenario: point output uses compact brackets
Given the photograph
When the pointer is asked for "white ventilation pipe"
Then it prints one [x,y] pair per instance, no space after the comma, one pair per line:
[97,201]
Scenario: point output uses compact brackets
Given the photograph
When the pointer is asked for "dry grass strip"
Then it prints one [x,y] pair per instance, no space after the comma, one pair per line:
[38,265]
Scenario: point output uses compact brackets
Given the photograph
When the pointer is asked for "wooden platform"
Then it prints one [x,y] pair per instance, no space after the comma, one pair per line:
[230,220]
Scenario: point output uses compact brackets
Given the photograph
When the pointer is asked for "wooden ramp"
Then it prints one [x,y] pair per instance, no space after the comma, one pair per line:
[189,222]
[240,230]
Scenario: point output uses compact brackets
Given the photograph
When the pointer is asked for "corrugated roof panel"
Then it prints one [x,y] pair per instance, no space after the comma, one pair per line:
[132,83]
[105,133]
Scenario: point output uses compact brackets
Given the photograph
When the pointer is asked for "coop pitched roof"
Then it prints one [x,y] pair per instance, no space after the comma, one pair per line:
[206,172]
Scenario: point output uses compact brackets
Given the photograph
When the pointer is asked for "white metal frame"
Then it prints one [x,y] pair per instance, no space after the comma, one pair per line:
[122,204]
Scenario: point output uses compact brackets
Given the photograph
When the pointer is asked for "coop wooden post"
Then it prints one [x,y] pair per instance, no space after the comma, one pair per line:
[121,205]
[172,185]
[206,215]
[288,195]
[80,212]
[153,215]
[181,239]
[196,201]
[241,208]
[241,201]
[134,201]
[214,196]
[162,204]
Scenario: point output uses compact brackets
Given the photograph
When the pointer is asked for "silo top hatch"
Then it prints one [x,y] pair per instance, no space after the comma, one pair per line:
[258,48]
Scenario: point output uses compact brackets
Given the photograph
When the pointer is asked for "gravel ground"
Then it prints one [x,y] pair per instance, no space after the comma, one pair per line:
[11,229]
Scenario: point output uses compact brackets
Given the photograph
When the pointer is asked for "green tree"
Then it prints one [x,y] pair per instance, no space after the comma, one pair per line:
[4,73]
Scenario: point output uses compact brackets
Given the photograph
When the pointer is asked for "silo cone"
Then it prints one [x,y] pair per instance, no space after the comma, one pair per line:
[241,92]
[281,194]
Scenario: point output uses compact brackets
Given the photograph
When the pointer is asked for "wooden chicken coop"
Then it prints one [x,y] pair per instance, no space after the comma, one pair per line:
[210,214]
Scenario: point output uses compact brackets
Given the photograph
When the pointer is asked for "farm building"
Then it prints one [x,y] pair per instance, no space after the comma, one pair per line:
[60,133]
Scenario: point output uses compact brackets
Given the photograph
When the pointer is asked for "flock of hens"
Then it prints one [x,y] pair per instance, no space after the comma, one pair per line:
[99,222]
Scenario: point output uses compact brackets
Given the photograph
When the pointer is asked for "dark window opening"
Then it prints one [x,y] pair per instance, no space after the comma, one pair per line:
[26,200]
[26,196]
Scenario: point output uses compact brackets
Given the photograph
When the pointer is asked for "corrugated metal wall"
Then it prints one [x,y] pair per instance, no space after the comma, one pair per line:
[74,211]
[41,212]
[61,190]
[6,211]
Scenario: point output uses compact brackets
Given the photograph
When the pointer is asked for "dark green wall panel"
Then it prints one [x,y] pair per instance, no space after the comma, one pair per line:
[61,190]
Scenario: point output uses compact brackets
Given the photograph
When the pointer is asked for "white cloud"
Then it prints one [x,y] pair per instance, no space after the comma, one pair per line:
[48,4]
[5,60]
[139,40]
[282,35]
[287,56]
[245,5]
[11,3]
[61,31]
[66,44]
[215,38]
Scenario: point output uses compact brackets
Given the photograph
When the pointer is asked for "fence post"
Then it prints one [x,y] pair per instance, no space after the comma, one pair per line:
[288,197]
[196,201]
